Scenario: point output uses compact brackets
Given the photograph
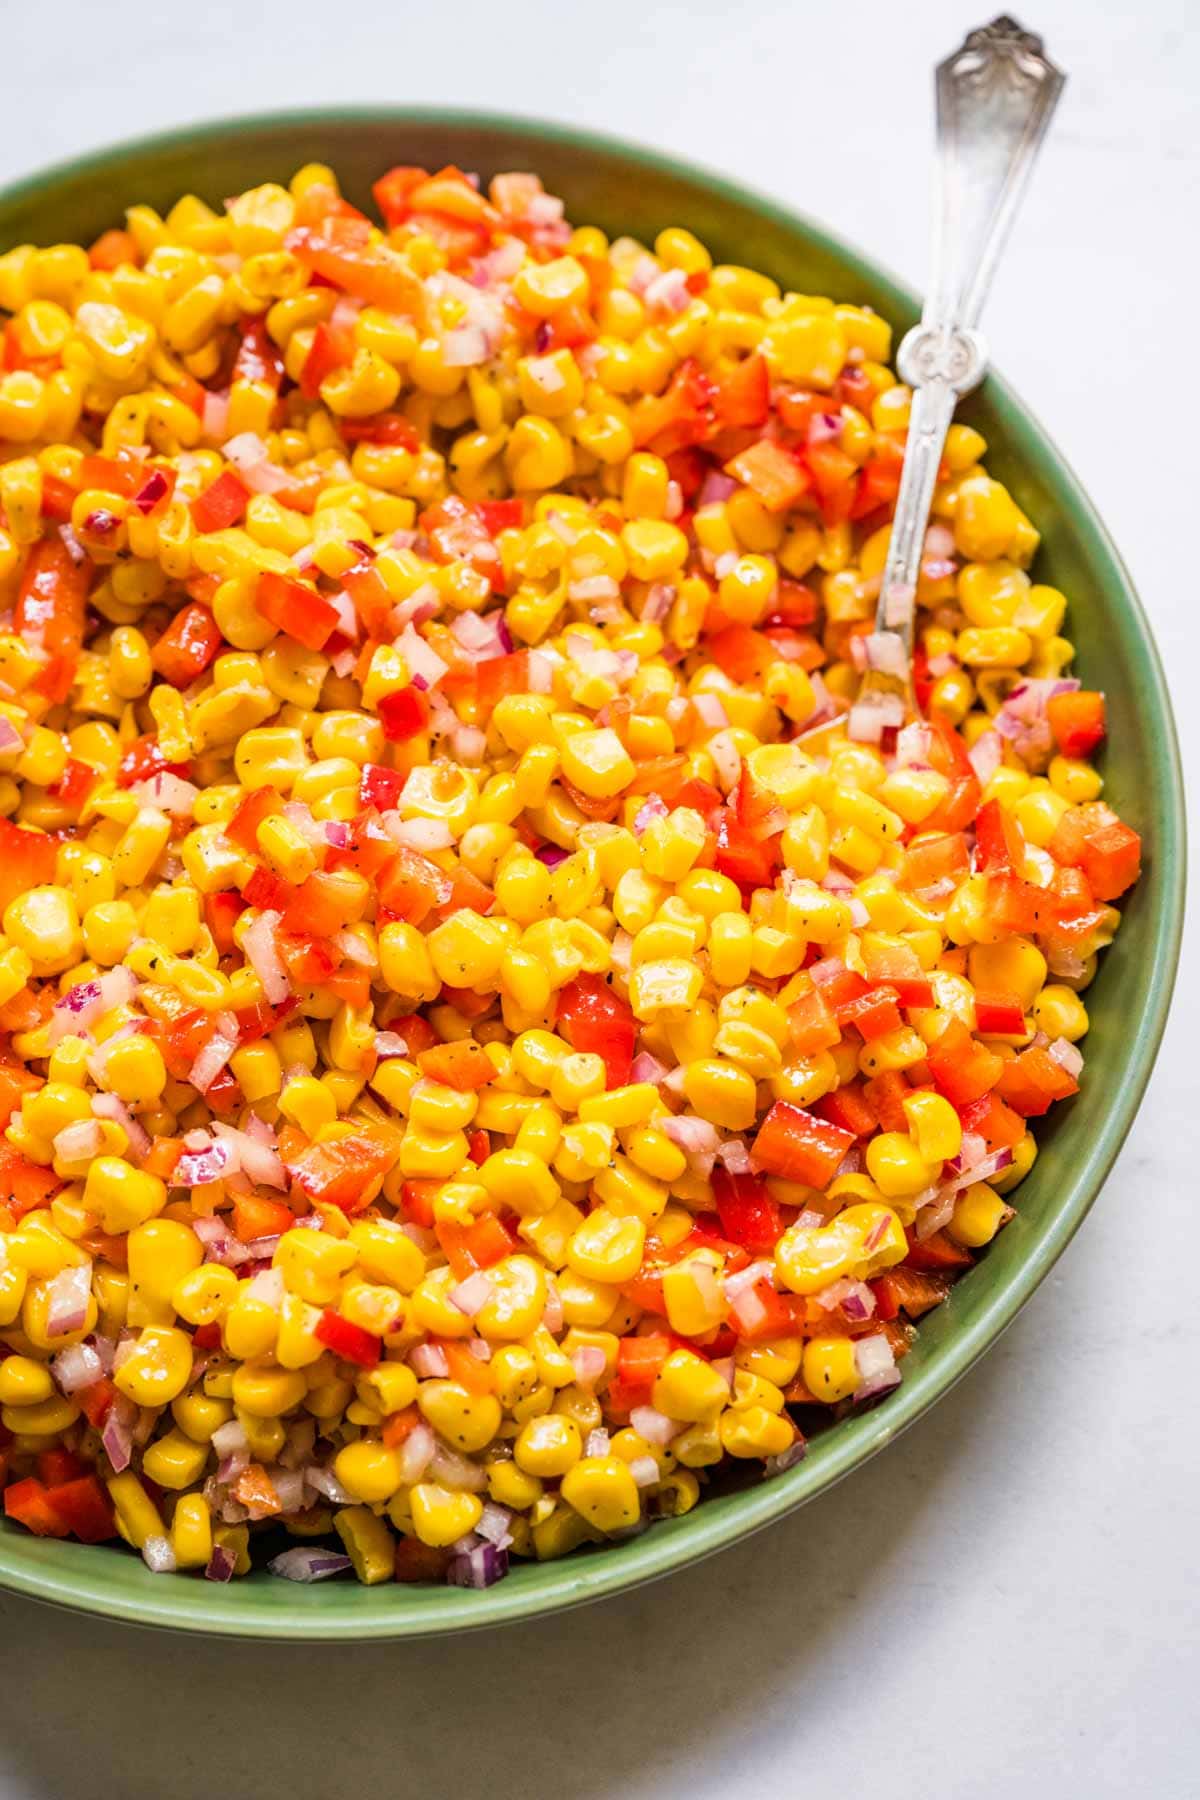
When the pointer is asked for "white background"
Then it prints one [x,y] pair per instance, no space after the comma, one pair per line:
[1006,1602]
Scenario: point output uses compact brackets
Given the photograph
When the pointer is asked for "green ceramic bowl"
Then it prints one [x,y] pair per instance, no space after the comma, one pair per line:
[626,189]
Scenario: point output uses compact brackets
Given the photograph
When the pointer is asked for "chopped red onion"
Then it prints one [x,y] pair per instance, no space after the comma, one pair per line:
[654,807]
[326,1483]
[658,603]
[309,1564]
[75,1368]
[72,545]
[390,1043]
[416,1452]
[196,1168]
[419,834]
[596,1443]
[481,1569]
[259,942]
[697,1138]
[456,1472]
[479,635]
[589,1363]
[471,1295]
[158,1555]
[743,1279]
[421,658]
[715,488]
[986,755]
[647,1068]
[645,1471]
[1067,1056]
[785,1459]
[494,1523]
[884,651]
[88,1001]
[78,1143]
[253,1153]
[116,1434]
[540,673]
[221,1564]
[214,417]
[289,1488]
[653,1425]
[734,1155]
[552,1312]
[914,744]
[428,1361]
[67,1300]
[710,709]
[870,715]
[10,737]
[551,855]
[170,793]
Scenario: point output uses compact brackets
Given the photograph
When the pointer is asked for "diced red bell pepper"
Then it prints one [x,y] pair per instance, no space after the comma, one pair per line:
[255,1217]
[462,1064]
[410,886]
[74,784]
[885,1094]
[774,476]
[25,1185]
[255,806]
[1103,846]
[899,968]
[346,1173]
[875,1013]
[391,428]
[497,678]
[743,397]
[332,348]
[595,1020]
[120,474]
[83,1505]
[111,249]
[347,1340]
[640,1360]
[416,1561]
[296,609]
[403,714]
[59,1465]
[29,1503]
[909,1290]
[1021,907]
[393,192]
[58,497]
[222,503]
[798,1146]
[741,856]
[835,478]
[259,357]
[340,249]
[949,755]
[680,416]
[749,1216]
[187,647]
[740,652]
[813,1026]
[999,1015]
[143,760]
[798,407]
[936,1252]
[27,859]
[96,1400]
[381,787]
[49,613]
[992,1119]
[221,912]
[15,1082]
[268,891]
[321,905]
[761,1313]
[849,1107]
[999,845]
[418,1198]
[457,531]
[477,1246]
[935,859]
[1077,721]
[1032,1081]
[962,1069]
[501,515]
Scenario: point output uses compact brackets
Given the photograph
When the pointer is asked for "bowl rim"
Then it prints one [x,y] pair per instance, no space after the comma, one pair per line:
[90,1586]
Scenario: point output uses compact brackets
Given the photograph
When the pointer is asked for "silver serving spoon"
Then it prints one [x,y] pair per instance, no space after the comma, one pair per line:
[995,98]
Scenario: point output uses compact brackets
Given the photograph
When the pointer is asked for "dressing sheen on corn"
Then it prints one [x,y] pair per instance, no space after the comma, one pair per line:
[489,1029]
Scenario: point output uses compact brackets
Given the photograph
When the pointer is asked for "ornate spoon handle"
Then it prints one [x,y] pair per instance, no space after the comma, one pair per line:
[995,98]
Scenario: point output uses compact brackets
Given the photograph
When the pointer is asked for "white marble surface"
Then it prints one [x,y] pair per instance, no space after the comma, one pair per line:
[1006,1602]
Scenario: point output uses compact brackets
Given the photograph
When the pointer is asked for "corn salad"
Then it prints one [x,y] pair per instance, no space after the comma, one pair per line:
[491,1031]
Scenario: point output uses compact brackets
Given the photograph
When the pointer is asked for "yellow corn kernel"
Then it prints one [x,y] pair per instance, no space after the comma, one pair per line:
[689,1389]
